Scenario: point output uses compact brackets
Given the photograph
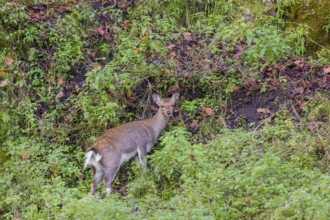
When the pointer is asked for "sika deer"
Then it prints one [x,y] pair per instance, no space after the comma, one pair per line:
[121,143]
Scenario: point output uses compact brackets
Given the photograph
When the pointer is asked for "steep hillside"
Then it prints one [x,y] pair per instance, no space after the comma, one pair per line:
[249,138]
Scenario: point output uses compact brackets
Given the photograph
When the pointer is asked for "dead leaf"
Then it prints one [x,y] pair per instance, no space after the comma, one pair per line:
[60,81]
[247,197]
[274,84]
[188,74]
[297,62]
[61,9]
[250,83]
[236,55]
[4,83]
[302,104]
[131,97]
[96,66]
[144,37]
[25,155]
[93,54]
[247,15]
[60,94]
[174,34]
[191,157]
[236,88]
[100,30]
[223,105]
[9,61]
[276,66]
[326,69]
[226,48]
[49,79]
[262,69]
[311,126]
[172,54]
[308,84]
[174,89]
[171,46]
[123,5]
[298,90]
[127,25]
[193,125]
[51,102]
[239,47]
[187,36]
[208,111]
[42,36]
[262,110]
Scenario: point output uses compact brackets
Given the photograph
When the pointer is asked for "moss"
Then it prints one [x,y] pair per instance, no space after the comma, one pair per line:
[314,15]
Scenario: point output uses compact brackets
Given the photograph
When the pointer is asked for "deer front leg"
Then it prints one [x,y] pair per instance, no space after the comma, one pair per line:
[141,158]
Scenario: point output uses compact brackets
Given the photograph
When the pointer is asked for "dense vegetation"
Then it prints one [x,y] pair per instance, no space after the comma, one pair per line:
[250,134]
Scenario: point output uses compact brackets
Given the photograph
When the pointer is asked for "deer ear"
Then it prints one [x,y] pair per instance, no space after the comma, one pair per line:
[156,99]
[175,96]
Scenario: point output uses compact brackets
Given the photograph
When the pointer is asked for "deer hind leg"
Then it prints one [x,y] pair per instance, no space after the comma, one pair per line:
[98,176]
[109,176]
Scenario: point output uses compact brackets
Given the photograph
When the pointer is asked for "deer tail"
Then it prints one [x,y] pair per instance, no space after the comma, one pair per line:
[92,157]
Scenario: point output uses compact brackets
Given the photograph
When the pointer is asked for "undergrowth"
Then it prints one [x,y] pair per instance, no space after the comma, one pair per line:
[70,70]
[271,173]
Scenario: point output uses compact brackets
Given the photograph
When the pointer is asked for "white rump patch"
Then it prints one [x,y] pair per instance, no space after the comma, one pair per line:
[92,159]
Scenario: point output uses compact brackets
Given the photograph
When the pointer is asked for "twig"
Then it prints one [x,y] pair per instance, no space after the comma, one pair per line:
[295,111]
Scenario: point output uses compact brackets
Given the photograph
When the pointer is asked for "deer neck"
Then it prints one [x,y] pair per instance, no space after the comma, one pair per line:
[158,122]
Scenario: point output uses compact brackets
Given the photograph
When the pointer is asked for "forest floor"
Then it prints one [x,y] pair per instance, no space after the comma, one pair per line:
[288,84]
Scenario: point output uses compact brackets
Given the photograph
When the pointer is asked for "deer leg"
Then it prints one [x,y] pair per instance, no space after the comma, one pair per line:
[136,158]
[109,176]
[141,158]
[97,177]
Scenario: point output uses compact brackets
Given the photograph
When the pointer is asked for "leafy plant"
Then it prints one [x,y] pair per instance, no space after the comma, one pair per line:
[298,38]
[265,43]
[190,106]
[327,26]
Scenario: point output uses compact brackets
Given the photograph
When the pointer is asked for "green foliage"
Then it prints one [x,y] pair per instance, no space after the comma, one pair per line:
[327,26]
[97,208]
[190,106]
[265,43]
[298,39]
[33,177]
[321,109]
[230,177]
[67,77]
[323,55]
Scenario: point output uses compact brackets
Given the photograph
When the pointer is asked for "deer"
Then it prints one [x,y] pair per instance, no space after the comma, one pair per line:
[133,139]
